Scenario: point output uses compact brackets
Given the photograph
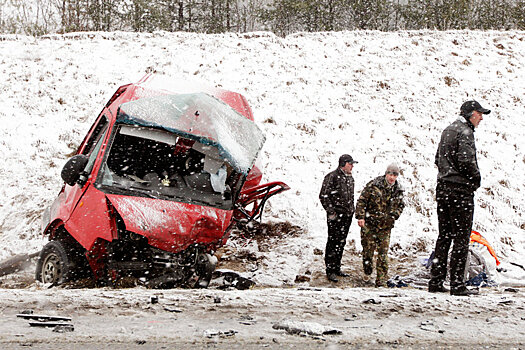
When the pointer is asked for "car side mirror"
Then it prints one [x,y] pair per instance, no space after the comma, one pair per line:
[73,169]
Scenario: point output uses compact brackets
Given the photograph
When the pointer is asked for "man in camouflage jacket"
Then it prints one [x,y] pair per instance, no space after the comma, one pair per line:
[337,198]
[378,207]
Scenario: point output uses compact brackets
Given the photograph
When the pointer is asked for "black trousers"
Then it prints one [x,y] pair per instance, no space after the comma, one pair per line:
[335,245]
[455,205]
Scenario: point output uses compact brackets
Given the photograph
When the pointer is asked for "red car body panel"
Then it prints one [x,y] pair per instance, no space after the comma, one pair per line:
[91,219]
[171,226]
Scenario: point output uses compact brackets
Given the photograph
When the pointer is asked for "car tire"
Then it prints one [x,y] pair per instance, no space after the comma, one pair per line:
[55,264]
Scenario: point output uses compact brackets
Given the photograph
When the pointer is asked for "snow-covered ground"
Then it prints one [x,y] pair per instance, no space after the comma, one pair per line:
[277,318]
[380,97]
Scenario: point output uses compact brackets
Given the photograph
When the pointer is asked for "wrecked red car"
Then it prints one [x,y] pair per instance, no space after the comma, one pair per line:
[157,185]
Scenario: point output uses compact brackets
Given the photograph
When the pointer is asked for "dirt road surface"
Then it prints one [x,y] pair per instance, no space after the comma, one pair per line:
[367,318]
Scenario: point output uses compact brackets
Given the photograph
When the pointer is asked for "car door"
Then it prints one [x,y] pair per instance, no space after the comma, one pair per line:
[88,216]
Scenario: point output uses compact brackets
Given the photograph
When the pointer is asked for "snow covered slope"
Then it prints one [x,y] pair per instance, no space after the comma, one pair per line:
[380,97]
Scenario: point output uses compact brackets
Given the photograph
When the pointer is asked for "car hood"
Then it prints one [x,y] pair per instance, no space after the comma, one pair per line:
[200,117]
[171,226]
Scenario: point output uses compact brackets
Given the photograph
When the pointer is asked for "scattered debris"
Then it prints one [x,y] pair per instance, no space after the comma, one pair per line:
[247,320]
[63,328]
[310,289]
[371,301]
[302,278]
[154,299]
[430,327]
[389,295]
[318,251]
[217,300]
[310,328]
[227,279]
[58,323]
[351,318]
[43,318]
[397,282]
[169,309]
[49,324]
[512,290]
[210,333]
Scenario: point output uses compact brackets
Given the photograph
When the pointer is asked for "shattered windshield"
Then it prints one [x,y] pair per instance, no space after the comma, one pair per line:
[159,164]
[199,117]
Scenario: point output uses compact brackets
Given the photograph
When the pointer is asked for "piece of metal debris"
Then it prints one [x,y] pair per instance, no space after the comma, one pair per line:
[231,279]
[371,301]
[63,328]
[214,333]
[310,289]
[429,326]
[43,317]
[351,318]
[247,320]
[393,295]
[49,324]
[169,309]
[301,328]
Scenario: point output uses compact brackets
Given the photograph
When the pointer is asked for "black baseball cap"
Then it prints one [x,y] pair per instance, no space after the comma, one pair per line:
[470,106]
[346,158]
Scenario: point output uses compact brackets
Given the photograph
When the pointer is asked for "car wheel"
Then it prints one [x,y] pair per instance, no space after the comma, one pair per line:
[55,264]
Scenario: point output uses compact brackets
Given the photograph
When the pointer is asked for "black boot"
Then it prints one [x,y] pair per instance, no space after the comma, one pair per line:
[463,291]
[332,277]
[440,288]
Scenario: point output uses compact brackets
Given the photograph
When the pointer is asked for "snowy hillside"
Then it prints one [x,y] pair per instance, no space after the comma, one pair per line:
[380,97]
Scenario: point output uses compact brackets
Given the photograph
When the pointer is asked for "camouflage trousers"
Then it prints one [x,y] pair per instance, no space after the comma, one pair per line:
[376,240]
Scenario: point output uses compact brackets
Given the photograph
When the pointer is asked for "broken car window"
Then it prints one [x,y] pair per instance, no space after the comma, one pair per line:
[160,164]
[94,137]
[203,118]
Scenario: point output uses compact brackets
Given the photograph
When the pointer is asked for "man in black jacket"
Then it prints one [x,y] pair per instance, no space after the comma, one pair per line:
[337,198]
[458,179]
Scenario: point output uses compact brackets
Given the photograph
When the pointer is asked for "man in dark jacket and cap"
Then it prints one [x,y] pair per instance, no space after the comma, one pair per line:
[458,178]
[337,198]
[378,207]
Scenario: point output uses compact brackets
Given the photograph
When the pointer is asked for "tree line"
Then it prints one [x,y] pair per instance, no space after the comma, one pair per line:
[38,17]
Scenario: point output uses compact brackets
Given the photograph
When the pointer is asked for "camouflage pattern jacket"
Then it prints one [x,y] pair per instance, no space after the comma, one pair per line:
[380,205]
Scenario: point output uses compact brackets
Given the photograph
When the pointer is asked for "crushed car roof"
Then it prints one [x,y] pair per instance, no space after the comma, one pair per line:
[201,117]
